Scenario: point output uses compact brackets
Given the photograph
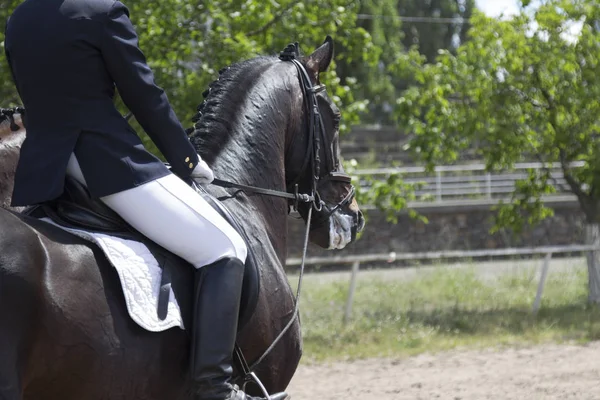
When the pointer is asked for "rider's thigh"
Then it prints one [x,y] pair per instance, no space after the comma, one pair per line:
[172,214]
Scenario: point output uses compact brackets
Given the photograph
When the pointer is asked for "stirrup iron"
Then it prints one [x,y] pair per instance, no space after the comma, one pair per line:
[251,377]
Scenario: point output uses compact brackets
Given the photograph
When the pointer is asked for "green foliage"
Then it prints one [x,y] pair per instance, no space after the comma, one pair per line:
[186,42]
[224,32]
[377,86]
[7,90]
[390,195]
[391,37]
[526,207]
[519,89]
[432,37]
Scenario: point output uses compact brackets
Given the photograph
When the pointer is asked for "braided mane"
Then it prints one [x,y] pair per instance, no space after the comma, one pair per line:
[214,122]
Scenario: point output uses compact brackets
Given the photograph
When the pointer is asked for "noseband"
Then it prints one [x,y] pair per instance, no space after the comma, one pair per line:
[312,158]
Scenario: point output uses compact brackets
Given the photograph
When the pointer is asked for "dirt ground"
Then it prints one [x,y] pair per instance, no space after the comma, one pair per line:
[546,372]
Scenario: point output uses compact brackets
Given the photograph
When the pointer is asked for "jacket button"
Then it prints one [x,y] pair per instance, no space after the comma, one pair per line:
[187,159]
[191,165]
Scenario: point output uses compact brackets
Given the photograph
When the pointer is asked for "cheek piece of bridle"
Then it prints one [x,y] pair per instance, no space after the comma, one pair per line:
[312,160]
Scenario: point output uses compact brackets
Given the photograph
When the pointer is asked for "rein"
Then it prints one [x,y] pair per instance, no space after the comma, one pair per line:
[249,374]
[297,197]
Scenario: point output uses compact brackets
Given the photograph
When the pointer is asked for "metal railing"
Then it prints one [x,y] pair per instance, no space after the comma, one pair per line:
[468,181]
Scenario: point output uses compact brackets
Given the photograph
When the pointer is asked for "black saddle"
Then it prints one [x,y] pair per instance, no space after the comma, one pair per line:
[77,209]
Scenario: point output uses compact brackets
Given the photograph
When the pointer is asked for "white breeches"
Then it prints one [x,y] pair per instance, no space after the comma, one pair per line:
[172,214]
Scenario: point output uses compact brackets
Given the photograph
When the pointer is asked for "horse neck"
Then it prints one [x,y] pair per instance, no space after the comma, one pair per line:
[255,154]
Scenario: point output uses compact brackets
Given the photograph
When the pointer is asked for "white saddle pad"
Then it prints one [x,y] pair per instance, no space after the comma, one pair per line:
[140,278]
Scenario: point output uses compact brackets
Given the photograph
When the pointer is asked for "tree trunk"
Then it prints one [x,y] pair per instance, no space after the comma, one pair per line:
[592,237]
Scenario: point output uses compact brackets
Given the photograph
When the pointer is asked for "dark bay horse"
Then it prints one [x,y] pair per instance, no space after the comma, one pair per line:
[65,333]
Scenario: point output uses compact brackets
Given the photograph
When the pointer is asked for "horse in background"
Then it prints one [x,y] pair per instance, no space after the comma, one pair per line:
[12,135]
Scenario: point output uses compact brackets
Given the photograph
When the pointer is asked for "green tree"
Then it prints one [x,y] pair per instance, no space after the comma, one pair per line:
[429,35]
[519,89]
[377,86]
[188,41]
[7,90]
[429,25]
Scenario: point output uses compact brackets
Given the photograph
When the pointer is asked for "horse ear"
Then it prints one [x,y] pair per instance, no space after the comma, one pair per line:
[321,58]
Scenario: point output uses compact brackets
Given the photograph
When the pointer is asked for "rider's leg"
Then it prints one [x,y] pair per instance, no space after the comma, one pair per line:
[172,214]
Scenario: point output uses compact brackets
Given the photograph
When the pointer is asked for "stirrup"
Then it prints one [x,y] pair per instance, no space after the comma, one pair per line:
[251,377]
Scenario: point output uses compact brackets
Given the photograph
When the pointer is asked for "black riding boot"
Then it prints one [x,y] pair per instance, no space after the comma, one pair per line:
[217,298]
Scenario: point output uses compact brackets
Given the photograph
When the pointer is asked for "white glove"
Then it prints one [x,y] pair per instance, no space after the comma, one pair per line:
[202,174]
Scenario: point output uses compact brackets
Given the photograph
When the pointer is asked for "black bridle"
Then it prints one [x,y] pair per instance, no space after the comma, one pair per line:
[312,158]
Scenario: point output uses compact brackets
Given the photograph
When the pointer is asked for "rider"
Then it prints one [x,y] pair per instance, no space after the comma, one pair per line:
[66,57]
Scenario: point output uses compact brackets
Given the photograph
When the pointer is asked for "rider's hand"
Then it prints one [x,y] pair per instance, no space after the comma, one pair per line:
[202,174]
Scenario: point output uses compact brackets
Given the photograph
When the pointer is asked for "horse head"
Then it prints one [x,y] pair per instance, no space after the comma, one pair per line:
[313,157]
[269,123]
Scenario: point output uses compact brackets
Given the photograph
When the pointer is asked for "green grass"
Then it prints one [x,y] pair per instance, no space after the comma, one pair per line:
[444,309]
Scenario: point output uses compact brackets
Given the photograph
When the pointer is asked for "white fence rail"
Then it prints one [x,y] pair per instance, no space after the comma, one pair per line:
[356,260]
[471,181]
[442,255]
